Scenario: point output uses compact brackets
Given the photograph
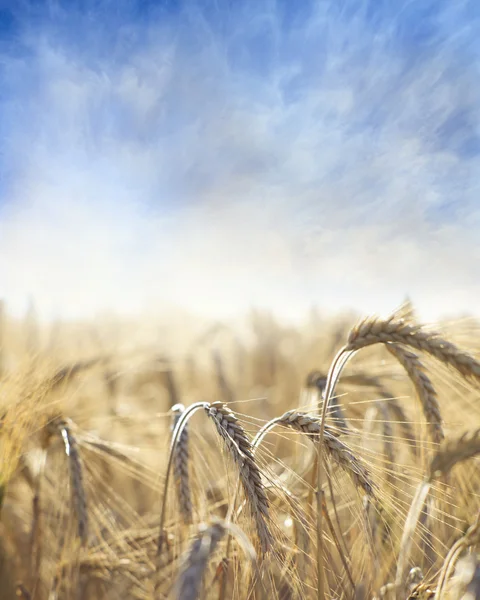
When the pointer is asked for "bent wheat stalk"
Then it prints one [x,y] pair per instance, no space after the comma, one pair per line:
[408,533]
[338,363]
[471,538]
[317,380]
[239,446]
[182,421]
[68,372]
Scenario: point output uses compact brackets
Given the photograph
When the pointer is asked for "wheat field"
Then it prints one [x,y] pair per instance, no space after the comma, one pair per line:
[336,459]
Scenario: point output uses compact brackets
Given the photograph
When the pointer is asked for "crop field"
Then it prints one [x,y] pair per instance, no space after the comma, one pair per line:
[333,459]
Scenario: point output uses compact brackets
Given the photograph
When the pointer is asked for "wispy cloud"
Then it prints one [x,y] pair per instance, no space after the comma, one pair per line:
[252,154]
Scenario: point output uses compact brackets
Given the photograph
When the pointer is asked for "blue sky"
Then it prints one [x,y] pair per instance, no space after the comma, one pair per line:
[219,154]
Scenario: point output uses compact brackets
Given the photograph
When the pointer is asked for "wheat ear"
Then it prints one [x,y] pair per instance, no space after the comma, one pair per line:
[67,373]
[388,445]
[339,451]
[182,421]
[79,501]
[189,582]
[379,331]
[240,448]
[455,451]
[237,441]
[180,467]
[424,388]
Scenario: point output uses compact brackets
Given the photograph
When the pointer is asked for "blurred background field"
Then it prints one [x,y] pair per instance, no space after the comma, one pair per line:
[116,382]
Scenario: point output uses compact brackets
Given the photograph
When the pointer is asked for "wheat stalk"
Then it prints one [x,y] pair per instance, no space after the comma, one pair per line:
[318,380]
[373,331]
[413,516]
[343,455]
[451,453]
[471,538]
[182,421]
[467,578]
[240,448]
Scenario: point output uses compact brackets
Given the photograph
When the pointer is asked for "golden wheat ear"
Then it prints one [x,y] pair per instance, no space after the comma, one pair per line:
[63,428]
[337,450]
[454,451]
[181,463]
[240,448]
[424,387]
[379,331]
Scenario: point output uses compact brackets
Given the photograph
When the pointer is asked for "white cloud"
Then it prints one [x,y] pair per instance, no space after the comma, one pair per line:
[173,169]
